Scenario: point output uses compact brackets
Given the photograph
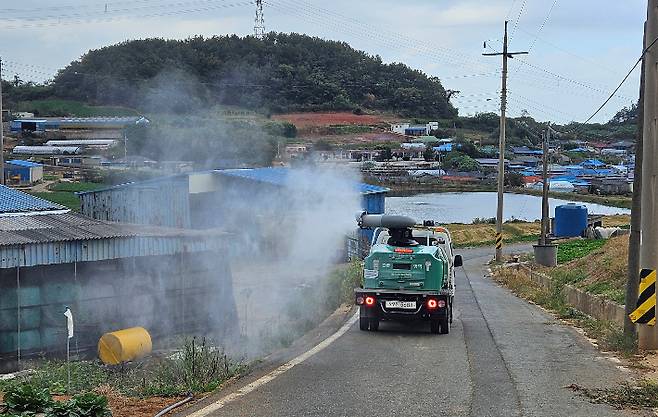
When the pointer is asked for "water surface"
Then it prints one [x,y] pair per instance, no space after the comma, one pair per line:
[465,206]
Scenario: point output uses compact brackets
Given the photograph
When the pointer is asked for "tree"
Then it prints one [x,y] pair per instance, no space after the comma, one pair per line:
[513,179]
[280,73]
[461,162]
[428,153]
[385,153]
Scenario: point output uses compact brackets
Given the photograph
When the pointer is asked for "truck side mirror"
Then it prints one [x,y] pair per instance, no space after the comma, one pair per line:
[458,261]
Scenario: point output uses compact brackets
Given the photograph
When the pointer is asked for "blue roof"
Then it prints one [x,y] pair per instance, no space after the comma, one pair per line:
[280,176]
[592,162]
[21,163]
[14,201]
[446,147]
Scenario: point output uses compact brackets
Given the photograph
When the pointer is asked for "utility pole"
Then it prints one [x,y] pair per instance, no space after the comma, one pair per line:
[545,183]
[633,280]
[2,134]
[648,336]
[501,146]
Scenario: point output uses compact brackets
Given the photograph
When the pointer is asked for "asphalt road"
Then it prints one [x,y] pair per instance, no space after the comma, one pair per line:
[503,357]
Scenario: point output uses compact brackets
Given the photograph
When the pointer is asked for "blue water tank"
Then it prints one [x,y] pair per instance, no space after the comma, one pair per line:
[570,220]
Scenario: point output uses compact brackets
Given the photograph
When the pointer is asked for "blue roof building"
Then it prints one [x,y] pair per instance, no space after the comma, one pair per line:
[23,172]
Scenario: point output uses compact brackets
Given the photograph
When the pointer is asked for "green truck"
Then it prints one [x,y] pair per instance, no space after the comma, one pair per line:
[409,273]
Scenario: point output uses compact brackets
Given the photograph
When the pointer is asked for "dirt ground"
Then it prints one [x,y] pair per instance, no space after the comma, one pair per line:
[478,234]
[305,120]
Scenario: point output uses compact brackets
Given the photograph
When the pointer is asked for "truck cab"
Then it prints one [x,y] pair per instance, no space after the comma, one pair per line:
[409,274]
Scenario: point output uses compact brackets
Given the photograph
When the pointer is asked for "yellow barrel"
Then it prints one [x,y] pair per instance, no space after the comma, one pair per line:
[124,345]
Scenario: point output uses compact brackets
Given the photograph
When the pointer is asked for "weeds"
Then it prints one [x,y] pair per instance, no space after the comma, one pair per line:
[52,376]
[199,367]
[644,394]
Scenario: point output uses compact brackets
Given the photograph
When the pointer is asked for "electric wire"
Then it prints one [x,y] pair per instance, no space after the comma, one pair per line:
[548,15]
[102,19]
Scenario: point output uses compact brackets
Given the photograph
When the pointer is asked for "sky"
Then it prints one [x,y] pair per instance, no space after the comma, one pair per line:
[579,51]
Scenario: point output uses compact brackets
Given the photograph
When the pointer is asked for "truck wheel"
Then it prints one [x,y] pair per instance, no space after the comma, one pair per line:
[374,325]
[363,324]
[435,326]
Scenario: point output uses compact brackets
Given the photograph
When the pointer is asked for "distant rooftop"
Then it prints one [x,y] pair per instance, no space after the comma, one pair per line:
[14,201]
[21,163]
[281,176]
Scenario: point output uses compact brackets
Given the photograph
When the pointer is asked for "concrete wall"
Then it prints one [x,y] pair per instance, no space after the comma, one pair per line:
[590,304]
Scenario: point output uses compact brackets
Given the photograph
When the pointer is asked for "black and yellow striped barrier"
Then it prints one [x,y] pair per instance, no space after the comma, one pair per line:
[645,313]
[499,240]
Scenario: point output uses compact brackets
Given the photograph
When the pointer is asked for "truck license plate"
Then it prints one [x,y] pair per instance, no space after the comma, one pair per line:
[407,305]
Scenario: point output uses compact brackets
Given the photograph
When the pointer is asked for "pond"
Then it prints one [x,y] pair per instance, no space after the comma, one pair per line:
[464,207]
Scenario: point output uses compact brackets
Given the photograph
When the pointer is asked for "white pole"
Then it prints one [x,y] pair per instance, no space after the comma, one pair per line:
[69,335]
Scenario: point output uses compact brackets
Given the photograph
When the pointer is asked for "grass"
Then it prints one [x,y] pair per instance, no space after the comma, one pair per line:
[74,187]
[601,266]
[64,198]
[609,335]
[64,193]
[483,233]
[578,248]
[72,108]
[198,367]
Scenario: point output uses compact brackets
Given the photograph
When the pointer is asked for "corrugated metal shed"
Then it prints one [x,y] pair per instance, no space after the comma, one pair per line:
[162,202]
[282,177]
[14,201]
[66,238]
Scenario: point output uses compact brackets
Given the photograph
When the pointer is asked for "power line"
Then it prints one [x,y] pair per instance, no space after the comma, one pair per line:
[360,29]
[548,15]
[101,19]
[598,65]
[518,18]
[622,81]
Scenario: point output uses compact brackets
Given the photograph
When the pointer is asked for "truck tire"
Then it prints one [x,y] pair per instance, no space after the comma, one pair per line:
[374,325]
[363,324]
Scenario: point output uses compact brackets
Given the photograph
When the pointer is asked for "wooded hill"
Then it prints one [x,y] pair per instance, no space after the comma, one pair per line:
[281,73]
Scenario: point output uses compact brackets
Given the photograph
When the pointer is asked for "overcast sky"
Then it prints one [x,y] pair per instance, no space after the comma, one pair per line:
[579,50]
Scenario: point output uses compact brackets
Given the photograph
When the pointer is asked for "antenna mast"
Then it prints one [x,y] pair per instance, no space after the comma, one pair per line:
[259,21]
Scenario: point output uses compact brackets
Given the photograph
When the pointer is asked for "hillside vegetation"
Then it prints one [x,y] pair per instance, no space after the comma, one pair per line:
[282,72]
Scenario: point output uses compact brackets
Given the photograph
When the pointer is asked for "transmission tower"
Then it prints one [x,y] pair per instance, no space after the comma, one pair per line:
[259,21]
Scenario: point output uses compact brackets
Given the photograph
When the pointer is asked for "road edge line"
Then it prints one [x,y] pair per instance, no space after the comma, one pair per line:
[222,402]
